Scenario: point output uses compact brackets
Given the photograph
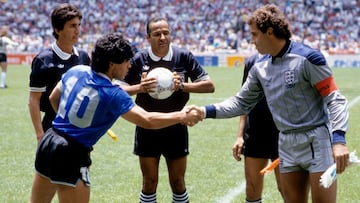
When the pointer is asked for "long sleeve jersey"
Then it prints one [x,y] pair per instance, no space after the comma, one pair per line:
[300,90]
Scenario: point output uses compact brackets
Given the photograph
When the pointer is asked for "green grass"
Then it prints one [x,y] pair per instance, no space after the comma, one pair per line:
[211,173]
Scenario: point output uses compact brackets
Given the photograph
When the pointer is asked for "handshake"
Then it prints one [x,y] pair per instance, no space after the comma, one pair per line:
[192,115]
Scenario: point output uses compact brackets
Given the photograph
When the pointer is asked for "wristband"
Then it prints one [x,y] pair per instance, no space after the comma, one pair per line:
[210,111]
[338,137]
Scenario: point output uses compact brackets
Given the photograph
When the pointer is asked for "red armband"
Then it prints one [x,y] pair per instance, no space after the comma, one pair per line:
[326,86]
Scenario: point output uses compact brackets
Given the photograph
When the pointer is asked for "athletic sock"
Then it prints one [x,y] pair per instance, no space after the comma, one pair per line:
[181,198]
[147,198]
[3,79]
[256,201]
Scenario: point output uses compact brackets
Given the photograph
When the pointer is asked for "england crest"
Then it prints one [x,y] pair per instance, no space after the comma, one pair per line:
[290,79]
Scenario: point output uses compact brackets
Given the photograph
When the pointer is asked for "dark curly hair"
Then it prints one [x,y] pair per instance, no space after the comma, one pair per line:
[271,16]
[110,48]
[62,14]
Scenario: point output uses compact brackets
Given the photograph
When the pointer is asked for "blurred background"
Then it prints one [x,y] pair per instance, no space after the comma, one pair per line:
[203,26]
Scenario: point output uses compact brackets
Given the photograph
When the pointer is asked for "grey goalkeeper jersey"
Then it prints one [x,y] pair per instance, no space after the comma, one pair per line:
[299,88]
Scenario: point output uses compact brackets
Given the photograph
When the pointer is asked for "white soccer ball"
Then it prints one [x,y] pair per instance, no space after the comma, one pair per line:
[165,83]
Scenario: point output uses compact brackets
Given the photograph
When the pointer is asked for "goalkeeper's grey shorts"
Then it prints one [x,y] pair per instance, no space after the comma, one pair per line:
[306,151]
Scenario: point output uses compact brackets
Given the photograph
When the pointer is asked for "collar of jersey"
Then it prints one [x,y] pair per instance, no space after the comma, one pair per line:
[165,58]
[104,76]
[61,54]
[283,51]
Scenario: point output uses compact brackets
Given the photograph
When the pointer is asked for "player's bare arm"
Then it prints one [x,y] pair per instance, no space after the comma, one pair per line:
[178,84]
[341,156]
[55,97]
[239,142]
[145,86]
[34,108]
[155,120]
[203,86]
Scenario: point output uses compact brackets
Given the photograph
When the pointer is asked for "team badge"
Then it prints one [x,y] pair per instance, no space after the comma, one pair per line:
[290,79]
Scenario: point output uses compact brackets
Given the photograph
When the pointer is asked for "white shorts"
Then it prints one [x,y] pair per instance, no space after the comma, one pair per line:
[306,151]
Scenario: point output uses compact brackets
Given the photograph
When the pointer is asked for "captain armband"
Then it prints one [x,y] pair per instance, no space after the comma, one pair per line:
[326,86]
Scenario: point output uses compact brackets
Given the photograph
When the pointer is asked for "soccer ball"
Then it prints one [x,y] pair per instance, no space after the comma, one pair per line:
[165,83]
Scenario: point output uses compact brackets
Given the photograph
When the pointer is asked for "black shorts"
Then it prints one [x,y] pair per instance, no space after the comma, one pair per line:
[171,142]
[262,144]
[47,120]
[62,160]
[3,57]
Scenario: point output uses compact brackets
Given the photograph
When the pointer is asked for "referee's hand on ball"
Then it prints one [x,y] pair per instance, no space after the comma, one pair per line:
[147,84]
[177,82]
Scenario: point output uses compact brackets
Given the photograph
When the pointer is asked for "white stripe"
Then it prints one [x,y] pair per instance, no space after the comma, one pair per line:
[355,101]
[232,193]
[37,89]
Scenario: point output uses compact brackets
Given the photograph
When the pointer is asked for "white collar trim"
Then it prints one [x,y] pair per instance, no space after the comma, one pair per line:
[103,75]
[168,56]
[61,54]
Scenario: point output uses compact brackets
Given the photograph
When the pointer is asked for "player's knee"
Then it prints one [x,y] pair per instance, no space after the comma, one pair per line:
[177,185]
[150,184]
[253,191]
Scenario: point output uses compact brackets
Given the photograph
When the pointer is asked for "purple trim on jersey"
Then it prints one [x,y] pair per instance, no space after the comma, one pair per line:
[338,137]
[210,111]
[288,82]
[312,55]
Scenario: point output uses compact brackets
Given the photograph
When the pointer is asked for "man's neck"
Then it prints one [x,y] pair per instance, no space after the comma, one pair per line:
[65,47]
[278,46]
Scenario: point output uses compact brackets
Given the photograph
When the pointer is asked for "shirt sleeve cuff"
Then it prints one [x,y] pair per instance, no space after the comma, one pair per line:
[338,137]
[210,111]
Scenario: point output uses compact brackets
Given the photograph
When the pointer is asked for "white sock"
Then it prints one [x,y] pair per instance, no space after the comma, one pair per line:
[3,79]
[147,198]
[180,198]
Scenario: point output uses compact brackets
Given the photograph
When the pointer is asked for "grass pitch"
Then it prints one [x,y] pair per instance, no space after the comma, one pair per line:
[212,173]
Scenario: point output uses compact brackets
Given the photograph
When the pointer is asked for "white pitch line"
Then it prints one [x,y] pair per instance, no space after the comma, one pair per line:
[232,193]
[240,188]
[354,101]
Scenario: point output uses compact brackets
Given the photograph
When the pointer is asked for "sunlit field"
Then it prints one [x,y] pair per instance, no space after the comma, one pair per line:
[212,173]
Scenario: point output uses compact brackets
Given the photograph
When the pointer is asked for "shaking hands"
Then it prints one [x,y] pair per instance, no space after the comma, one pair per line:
[194,114]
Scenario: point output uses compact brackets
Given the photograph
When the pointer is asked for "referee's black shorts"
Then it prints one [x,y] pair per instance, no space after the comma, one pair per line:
[62,160]
[171,142]
[262,143]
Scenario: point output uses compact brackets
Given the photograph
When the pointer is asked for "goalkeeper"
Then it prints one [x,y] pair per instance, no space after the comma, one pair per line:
[306,104]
